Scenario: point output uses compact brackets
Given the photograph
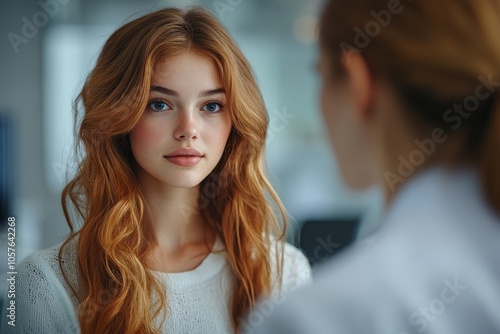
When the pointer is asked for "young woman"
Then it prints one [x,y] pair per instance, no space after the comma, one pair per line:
[176,233]
[410,97]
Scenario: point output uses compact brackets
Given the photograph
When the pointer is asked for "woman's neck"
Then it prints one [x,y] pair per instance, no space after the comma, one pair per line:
[175,218]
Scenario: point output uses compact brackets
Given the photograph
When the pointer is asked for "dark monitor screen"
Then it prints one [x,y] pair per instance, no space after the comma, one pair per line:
[320,239]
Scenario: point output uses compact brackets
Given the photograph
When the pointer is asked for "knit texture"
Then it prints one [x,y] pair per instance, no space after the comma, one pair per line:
[198,300]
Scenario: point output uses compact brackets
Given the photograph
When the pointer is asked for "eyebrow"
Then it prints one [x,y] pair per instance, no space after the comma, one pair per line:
[172,92]
[211,92]
[164,90]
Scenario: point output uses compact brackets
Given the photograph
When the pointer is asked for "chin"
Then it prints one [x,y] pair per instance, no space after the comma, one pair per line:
[185,183]
[186,179]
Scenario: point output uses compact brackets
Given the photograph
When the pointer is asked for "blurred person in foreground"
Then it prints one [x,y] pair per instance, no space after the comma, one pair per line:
[410,98]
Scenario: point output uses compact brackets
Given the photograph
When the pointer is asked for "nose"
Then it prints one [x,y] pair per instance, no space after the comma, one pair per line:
[186,127]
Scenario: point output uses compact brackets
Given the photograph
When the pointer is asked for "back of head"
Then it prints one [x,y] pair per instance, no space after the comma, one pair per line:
[438,56]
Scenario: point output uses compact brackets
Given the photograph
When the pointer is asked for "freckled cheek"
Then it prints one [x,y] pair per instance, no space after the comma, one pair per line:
[218,135]
[145,135]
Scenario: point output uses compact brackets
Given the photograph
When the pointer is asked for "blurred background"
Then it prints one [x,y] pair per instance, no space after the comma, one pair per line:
[48,46]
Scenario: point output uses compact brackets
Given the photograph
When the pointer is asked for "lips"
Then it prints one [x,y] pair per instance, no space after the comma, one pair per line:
[186,157]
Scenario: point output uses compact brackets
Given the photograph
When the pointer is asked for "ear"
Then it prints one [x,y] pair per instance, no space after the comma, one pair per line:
[361,84]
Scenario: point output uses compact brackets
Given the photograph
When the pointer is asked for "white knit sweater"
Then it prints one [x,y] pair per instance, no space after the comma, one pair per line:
[198,300]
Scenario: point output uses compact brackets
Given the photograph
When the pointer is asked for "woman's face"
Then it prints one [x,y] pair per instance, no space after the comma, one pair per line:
[182,133]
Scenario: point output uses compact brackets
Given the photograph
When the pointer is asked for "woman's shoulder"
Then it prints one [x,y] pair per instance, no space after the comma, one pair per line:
[50,256]
[296,270]
[44,265]
[39,262]
[296,267]
[44,303]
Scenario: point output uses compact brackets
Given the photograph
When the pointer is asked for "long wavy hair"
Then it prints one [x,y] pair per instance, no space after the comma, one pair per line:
[114,238]
[435,54]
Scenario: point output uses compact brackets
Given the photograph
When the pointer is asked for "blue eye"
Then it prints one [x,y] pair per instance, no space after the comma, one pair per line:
[158,106]
[213,107]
